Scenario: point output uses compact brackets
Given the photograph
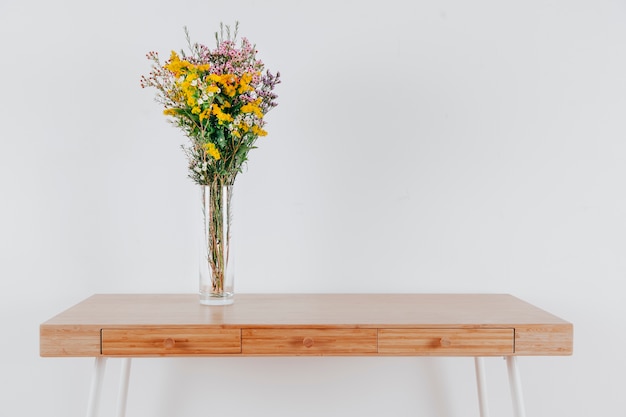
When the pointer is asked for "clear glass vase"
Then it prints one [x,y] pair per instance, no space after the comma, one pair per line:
[217,277]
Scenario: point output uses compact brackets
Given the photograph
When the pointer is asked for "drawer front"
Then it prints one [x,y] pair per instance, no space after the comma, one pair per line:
[446,342]
[170,342]
[308,341]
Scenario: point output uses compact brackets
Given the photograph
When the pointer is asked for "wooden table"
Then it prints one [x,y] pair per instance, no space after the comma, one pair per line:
[474,325]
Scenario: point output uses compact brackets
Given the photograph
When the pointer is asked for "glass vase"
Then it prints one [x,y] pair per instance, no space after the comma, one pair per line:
[217,277]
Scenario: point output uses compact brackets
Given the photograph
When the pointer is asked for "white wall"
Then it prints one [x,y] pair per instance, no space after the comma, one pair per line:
[447,146]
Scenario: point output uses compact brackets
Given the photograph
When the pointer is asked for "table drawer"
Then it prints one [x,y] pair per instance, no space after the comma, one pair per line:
[174,341]
[308,341]
[443,342]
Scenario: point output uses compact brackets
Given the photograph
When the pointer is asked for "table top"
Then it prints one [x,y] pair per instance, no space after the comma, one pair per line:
[401,319]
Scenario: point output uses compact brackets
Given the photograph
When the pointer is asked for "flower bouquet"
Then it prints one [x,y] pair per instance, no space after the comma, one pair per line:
[218,98]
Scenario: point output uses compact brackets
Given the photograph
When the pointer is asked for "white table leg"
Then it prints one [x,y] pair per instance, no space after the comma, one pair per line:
[481,382]
[96,386]
[516,387]
[122,393]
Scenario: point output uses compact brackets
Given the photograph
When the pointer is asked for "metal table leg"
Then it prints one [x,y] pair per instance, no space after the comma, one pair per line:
[516,387]
[96,386]
[122,393]
[481,382]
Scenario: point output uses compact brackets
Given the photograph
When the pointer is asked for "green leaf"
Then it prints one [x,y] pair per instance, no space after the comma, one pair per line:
[220,138]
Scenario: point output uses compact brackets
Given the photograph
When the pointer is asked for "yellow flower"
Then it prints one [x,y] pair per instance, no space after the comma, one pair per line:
[212,89]
[258,131]
[175,65]
[215,78]
[230,90]
[228,79]
[227,82]
[188,82]
[244,83]
[170,112]
[221,116]
[206,113]
[252,108]
[211,150]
